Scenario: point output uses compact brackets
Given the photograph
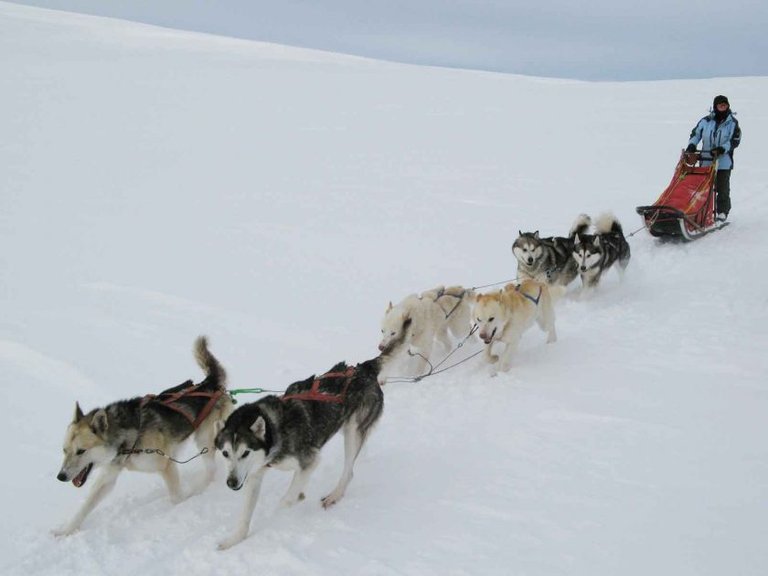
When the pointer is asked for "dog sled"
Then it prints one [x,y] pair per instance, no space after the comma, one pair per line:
[686,208]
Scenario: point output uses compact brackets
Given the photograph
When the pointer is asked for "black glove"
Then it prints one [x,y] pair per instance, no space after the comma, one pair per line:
[691,148]
[718,151]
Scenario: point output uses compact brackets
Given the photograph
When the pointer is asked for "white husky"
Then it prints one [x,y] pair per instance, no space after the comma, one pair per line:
[419,321]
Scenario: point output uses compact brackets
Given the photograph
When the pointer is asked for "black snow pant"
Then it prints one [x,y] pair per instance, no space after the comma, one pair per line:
[723,188]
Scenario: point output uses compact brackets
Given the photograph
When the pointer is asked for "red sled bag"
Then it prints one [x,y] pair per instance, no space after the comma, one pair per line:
[686,209]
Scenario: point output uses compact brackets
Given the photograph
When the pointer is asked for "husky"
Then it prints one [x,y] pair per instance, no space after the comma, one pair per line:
[503,316]
[596,253]
[142,434]
[288,432]
[420,321]
[548,259]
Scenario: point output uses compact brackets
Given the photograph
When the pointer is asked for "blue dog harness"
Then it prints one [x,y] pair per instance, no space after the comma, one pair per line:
[531,298]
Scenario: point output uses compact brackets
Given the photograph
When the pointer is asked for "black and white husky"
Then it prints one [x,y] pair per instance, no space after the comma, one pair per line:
[596,253]
[143,434]
[288,432]
[548,260]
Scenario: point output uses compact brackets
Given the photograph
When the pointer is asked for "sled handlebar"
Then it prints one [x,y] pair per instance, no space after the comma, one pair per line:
[691,158]
[705,154]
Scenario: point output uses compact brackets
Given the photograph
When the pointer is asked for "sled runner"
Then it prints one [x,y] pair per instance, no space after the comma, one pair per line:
[686,208]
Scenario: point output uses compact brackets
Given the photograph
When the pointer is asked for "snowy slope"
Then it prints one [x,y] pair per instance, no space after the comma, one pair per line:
[157,185]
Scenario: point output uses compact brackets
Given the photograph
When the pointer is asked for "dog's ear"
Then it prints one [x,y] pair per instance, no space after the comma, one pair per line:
[390,306]
[536,234]
[259,428]
[78,413]
[520,232]
[596,241]
[99,422]
[576,239]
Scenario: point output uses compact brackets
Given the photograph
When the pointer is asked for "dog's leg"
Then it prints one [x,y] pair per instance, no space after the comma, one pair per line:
[491,359]
[209,461]
[622,269]
[170,476]
[588,284]
[353,442]
[546,319]
[505,358]
[252,489]
[103,486]
[295,491]
[421,345]
[443,338]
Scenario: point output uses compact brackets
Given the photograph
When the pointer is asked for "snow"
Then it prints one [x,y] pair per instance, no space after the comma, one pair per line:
[158,185]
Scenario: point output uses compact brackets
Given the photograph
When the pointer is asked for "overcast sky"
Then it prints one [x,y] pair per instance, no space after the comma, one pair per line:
[592,40]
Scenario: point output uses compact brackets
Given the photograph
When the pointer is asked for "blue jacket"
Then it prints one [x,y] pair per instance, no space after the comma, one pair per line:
[727,134]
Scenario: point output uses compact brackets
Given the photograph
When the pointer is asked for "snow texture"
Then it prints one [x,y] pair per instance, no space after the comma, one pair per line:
[158,185]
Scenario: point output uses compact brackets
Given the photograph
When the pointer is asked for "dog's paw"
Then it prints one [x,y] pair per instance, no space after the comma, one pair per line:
[288,502]
[179,498]
[64,531]
[227,543]
[331,499]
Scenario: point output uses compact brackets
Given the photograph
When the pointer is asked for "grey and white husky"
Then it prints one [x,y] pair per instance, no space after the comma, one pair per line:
[548,259]
[596,253]
[143,433]
[288,432]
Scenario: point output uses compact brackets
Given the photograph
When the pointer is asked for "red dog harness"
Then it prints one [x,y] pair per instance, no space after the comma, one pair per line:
[314,393]
[171,401]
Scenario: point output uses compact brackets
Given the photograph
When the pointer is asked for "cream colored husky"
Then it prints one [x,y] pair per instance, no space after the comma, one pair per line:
[421,321]
[503,316]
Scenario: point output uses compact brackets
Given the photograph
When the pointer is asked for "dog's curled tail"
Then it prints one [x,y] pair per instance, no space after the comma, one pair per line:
[580,225]
[607,223]
[208,362]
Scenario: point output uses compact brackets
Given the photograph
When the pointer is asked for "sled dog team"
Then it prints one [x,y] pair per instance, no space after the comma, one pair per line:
[287,432]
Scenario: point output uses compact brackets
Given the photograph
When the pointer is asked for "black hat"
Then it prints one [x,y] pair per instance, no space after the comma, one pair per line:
[720,100]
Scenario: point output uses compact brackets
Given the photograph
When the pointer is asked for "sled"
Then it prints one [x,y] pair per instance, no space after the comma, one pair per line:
[686,208]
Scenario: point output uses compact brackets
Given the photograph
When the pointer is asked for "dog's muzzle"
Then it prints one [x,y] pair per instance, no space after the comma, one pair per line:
[79,479]
[386,348]
[233,483]
[488,339]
